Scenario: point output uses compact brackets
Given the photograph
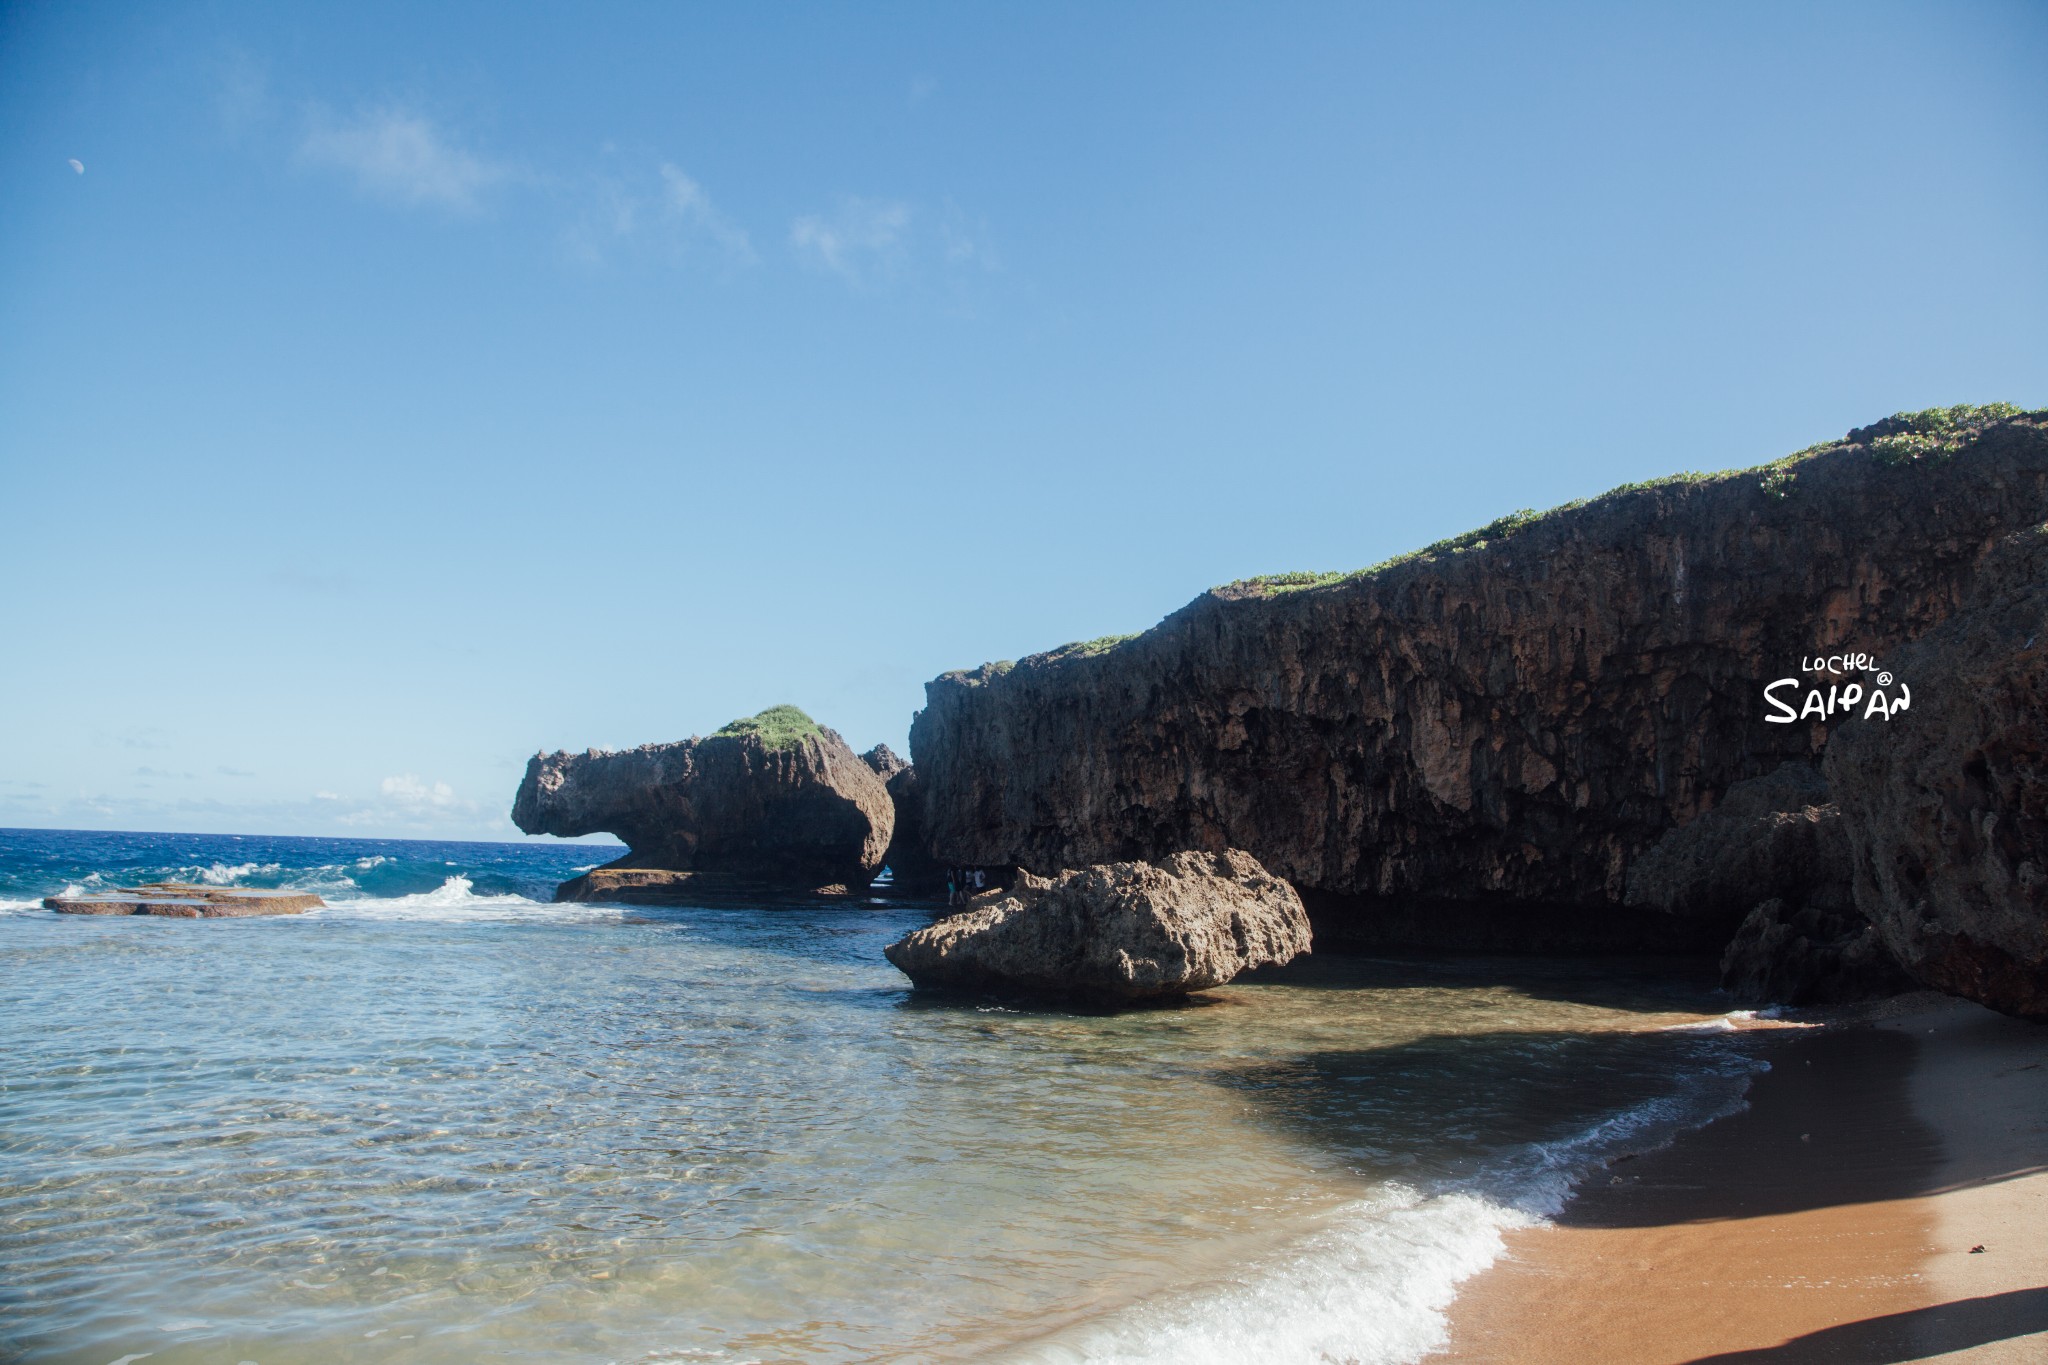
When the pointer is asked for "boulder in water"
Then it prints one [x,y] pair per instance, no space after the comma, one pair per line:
[1121,932]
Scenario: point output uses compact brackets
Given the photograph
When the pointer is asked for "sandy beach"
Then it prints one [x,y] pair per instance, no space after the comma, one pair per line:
[1884,1198]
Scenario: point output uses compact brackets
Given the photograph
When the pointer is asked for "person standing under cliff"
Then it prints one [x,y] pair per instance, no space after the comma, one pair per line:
[952,887]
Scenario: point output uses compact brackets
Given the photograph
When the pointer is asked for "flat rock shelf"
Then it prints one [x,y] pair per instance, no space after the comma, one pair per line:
[176,900]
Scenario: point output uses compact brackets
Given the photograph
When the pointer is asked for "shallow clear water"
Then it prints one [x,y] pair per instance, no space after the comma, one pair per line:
[428,1124]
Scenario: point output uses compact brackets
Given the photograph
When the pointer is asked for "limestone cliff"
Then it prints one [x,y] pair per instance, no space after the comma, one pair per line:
[773,800]
[1947,807]
[1489,732]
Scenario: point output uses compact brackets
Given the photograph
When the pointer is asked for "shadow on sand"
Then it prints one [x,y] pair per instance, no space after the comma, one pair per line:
[1899,1337]
[1830,1123]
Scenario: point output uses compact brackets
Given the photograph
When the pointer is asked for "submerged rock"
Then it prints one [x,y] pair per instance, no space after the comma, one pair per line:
[772,801]
[1947,802]
[179,900]
[1125,931]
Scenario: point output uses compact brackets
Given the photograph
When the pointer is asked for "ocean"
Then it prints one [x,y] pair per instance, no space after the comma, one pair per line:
[445,1120]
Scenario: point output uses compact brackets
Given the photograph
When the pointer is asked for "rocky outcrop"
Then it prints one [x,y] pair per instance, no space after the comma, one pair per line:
[1808,954]
[180,900]
[1501,724]
[773,801]
[1947,805]
[884,762]
[1122,932]
[1771,863]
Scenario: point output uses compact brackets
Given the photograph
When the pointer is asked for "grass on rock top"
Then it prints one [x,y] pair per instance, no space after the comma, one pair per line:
[779,727]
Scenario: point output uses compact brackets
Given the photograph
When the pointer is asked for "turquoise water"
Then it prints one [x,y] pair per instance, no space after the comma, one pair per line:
[444,1121]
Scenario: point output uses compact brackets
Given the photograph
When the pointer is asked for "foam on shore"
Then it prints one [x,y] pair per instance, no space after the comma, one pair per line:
[1372,1284]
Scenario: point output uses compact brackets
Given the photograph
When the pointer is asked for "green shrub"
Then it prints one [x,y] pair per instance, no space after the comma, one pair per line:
[1497,529]
[779,727]
[1936,432]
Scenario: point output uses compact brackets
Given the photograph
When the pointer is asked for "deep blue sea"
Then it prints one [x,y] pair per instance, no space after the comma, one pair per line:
[445,1120]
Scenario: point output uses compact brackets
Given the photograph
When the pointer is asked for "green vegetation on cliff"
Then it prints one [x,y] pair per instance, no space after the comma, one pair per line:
[1082,649]
[1935,433]
[1906,436]
[779,727]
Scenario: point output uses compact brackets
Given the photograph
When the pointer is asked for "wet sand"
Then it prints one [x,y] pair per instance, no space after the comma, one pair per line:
[1832,1221]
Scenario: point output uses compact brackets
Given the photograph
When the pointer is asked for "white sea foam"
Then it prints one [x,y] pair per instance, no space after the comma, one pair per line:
[1726,1023]
[222,874]
[1371,1284]
[456,900]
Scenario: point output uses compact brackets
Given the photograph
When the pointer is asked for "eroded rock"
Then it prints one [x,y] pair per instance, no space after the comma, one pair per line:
[1127,931]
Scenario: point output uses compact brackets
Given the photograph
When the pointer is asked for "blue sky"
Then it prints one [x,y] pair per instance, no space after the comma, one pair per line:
[401,389]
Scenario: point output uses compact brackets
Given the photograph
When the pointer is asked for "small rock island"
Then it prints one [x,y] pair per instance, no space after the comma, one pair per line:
[773,802]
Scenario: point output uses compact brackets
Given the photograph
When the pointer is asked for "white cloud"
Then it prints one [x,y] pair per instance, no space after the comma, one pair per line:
[408,792]
[663,212]
[861,242]
[687,202]
[404,157]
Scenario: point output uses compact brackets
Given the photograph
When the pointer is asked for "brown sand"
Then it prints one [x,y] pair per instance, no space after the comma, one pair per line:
[1830,1222]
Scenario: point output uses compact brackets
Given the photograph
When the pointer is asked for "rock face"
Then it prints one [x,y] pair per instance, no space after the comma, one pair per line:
[777,801]
[1126,931]
[1947,805]
[178,900]
[1501,724]
[1771,866]
[1777,835]
[1808,954]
